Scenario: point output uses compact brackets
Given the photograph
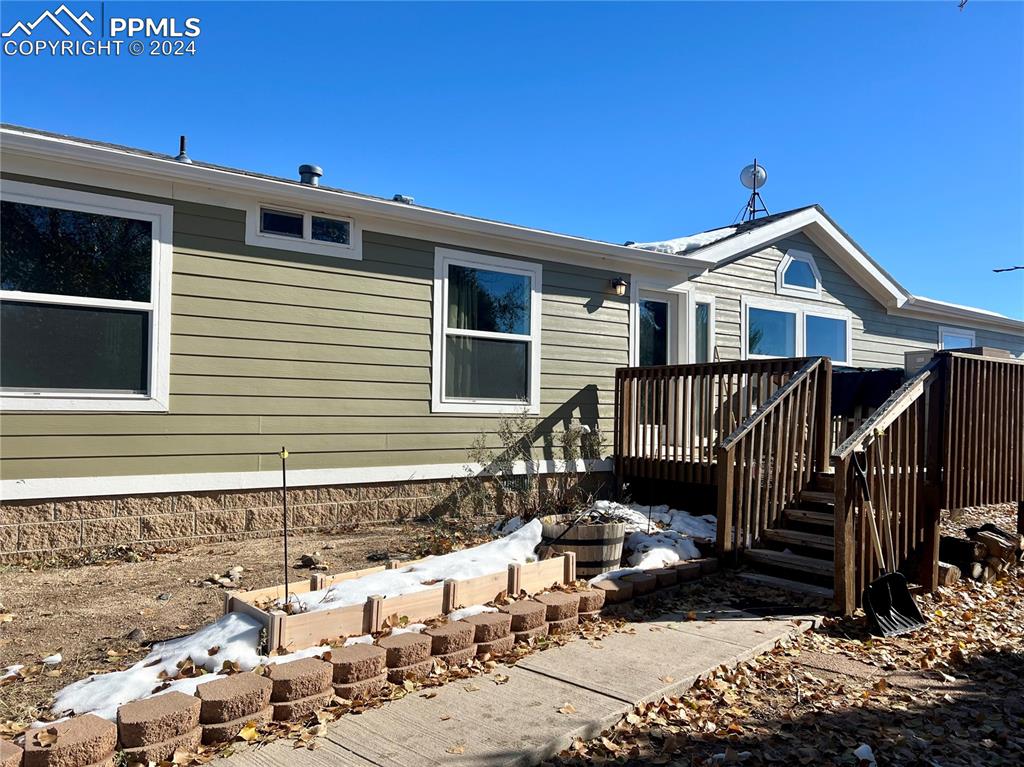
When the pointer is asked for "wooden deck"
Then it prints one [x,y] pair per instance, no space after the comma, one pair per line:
[761,433]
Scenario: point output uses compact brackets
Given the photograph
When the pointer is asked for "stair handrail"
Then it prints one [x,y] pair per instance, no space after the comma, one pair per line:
[772,402]
[820,366]
[889,411]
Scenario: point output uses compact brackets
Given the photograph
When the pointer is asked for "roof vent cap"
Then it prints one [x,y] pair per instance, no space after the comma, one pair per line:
[404,198]
[310,174]
[182,155]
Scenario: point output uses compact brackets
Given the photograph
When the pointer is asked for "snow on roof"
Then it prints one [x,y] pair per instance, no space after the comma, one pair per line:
[681,245]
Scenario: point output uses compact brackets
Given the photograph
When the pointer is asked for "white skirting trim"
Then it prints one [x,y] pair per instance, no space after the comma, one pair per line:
[83,487]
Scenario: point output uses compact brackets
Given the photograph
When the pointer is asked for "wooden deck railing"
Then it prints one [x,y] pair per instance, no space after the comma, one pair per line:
[772,456]
[898,446]
[670,419]
[983,443]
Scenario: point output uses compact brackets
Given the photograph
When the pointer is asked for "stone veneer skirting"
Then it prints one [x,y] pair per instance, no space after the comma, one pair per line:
[37,527]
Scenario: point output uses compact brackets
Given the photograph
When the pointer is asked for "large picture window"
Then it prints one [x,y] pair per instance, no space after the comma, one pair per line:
[486,335]
[84,304]
[784,330]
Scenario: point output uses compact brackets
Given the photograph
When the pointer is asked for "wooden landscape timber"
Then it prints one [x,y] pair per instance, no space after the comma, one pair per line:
[987,552]
[287,632]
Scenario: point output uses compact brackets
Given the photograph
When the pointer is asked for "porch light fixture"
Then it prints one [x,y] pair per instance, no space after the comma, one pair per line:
[619,285]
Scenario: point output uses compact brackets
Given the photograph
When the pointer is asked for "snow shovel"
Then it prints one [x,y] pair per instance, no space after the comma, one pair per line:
[888,603]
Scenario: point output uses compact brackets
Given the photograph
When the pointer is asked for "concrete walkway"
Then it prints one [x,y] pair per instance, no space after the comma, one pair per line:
[478,722]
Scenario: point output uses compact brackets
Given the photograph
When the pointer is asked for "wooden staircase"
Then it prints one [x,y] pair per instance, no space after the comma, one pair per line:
[798,553]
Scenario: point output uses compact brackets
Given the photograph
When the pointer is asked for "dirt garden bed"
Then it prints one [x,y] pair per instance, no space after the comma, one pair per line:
[86,612]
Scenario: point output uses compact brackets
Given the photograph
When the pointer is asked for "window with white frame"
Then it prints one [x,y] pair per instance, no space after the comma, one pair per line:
[781,330]
[486,356]
[956,338]
[798,275]
[703,329]
[275,226]
[84,300]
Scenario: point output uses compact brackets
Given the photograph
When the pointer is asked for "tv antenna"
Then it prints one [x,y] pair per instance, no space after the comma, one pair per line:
[753,177]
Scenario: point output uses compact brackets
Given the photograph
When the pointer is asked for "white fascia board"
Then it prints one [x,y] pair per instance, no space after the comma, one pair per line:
[110,158]
[826,236]
[944,311]
[143,484]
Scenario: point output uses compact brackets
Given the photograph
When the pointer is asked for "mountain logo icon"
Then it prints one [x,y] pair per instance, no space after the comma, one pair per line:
[62,18]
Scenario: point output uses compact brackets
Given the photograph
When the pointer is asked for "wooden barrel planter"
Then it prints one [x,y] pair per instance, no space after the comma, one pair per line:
[598,546]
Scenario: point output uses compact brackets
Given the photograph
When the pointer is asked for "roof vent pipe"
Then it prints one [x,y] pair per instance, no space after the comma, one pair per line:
[404,198]
[310,174]
[182,156]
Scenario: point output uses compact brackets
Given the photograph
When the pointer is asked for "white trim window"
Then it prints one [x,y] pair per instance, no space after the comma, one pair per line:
[703,328]
[798,275]
[269,225]
[84,301]
[486,355]
[956,338]
[781,329]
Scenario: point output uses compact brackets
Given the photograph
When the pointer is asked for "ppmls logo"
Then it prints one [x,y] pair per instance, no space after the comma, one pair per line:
[60,33]
[63,12]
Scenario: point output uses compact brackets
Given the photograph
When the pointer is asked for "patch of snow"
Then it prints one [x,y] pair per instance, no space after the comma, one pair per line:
[661,549]
[681,245]
[53,660]
[492,557]
[469,612]
[12,670]
[412,628]
[364,639]
[508,526]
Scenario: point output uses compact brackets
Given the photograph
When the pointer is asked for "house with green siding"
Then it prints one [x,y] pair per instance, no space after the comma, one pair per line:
[168,325]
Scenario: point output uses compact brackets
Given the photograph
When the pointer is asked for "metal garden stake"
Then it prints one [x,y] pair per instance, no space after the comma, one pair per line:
[284,502]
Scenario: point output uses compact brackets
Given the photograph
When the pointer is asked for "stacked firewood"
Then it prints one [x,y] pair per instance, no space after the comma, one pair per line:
[983,555]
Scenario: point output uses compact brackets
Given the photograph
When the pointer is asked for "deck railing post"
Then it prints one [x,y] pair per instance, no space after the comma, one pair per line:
[823,418]
[934,487]
[844,578]
[726,507]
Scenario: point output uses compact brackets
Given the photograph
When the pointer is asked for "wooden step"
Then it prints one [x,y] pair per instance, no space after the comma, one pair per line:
[809,565]
[818,496]
[787,585]
[811,517]
[800,538]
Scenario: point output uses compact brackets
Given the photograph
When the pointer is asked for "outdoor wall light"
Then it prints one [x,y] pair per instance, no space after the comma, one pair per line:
[619,285]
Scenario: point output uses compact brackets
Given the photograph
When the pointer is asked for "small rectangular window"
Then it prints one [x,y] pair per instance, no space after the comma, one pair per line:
[281,222]
[654,321]
[771,333]
[330,230]
[956,338]
[702,332]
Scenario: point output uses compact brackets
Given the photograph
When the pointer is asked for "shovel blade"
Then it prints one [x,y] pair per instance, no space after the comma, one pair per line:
[890,606]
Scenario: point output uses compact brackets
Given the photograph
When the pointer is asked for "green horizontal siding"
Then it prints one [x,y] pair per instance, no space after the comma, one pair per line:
[328,356]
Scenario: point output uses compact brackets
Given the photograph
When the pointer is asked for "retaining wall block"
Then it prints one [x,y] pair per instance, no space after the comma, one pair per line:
[151,730]
[560,605]
[450,637]
[357,662]
[708,565]
[416,670]
[535,633]
[591,600]
[643,583]
[667,577]
[497,646]
[299,679]
[526,614]
[76,742]
[291,710]
[361,689]
[10,754]
[232,697]
[615,591]
[405,650]
[564,626]
[457,657]
[490,627]
[687,571]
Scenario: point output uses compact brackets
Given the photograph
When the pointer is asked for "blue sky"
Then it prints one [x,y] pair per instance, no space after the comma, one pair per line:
[619,122]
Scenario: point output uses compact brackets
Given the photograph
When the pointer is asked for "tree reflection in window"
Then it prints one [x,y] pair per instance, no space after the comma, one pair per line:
[72,253]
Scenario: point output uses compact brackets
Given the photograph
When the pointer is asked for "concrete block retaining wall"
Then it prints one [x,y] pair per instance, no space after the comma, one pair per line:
[154,728]
[43,526]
